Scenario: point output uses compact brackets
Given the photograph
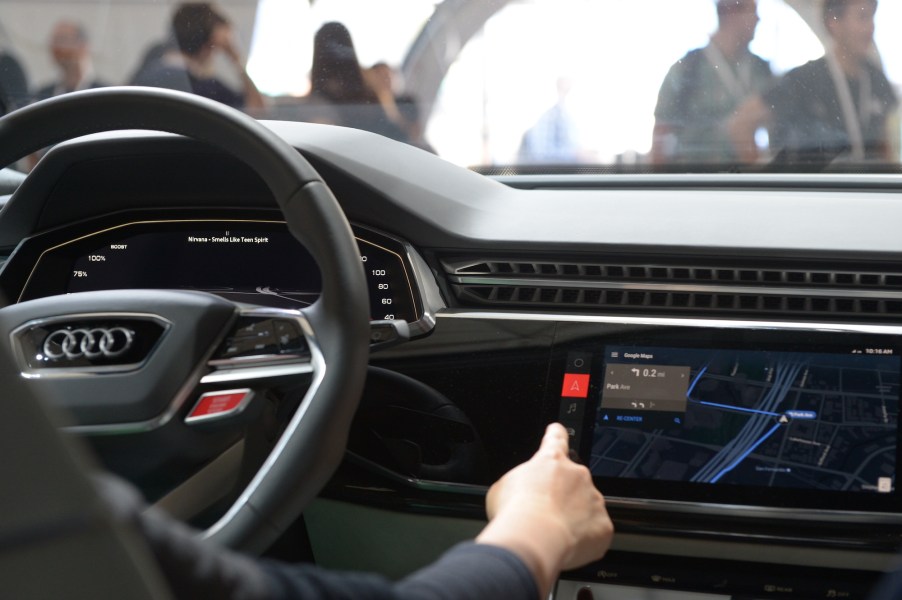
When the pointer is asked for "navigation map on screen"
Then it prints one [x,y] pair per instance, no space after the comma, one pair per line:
[748,417]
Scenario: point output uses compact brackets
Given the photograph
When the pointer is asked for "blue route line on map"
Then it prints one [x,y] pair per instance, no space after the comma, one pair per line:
[745,454]
[694,381]
[699,375]
[738,408]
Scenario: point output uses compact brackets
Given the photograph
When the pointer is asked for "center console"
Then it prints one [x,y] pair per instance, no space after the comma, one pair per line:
[775,443]
[625,575]
[738,459]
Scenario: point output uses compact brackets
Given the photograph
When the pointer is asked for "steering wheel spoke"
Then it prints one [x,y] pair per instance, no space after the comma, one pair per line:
[119,362]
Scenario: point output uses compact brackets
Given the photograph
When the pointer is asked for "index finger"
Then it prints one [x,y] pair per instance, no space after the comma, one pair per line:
[555,441]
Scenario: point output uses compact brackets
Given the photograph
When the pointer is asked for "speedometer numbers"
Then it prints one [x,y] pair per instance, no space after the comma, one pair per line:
[391,294]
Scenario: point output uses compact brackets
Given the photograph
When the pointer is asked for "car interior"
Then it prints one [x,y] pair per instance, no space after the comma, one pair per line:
[316,343]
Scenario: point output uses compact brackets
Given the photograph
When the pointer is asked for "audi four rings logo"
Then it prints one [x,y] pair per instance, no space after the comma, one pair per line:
[96,342]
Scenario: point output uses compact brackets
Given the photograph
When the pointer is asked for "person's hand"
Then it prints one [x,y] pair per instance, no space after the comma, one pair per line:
[548,512]
[223,40]
[379,79]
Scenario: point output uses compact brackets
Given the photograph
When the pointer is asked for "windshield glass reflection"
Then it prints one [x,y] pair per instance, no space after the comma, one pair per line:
[508,86]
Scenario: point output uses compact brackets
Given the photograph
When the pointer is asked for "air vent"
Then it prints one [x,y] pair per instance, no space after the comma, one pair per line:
[681,273]
[810,291]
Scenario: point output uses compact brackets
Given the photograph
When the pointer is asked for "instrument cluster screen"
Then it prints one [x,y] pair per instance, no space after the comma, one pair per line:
[253,262]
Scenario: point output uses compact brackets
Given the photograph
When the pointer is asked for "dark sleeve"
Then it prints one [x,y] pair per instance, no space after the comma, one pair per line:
[13,84]
[888,588]
[669,105]
[673,106]
[467,571]
[793,123]
[217,90]
[161,76]
[781,93]
[883,88]
[765,73]
[791,96]
[194,568]
[43,93]
[472,570]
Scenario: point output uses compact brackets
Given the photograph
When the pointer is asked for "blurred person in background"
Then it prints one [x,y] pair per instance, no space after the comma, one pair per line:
[336,75]
[840,105]
[553,138]
[400,107]
[201,32]
[356,99]
[154,53]
[702,90]
[71,52]
[13,83]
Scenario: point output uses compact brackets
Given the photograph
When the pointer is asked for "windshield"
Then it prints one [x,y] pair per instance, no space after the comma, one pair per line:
[527,86]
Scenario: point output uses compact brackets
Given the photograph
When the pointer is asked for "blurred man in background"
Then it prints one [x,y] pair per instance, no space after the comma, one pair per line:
[201,32]
[71,52]
[702,90]
[838,106]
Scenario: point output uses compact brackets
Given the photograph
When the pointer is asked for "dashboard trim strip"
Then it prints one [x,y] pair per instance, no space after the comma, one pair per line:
[675,322]
[671,506]
[675,287]
[248,373]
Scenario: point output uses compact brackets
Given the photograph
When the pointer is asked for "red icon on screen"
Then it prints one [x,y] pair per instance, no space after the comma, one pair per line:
[576,385]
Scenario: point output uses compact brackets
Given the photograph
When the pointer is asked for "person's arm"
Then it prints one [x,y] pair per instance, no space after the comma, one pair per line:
[548,512]
[253,99]
[466,572]
[672,109]
[663,139]
[751,115]
[891,150]
[380,84]
[545,515]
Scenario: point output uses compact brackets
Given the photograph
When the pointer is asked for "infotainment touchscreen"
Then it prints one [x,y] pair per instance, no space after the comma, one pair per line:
[793,426]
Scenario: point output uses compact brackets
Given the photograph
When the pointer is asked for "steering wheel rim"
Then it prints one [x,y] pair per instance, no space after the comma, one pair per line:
[310,451]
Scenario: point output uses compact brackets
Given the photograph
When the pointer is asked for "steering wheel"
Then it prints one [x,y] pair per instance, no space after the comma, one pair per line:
[136,361]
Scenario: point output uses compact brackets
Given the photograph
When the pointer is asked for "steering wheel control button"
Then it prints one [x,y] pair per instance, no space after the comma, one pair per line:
[388,333]
[289,337]
[219,405]
[262,337]
[260,329]
[89,345]
[242,347]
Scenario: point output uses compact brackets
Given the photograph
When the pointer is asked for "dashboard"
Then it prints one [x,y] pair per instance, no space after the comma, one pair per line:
[725,351]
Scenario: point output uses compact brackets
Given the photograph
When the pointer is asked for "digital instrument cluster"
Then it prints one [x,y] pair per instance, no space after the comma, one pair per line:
[249,261]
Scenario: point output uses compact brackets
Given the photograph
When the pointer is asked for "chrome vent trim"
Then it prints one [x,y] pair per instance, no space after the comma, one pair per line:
[681,288]
[875,279]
